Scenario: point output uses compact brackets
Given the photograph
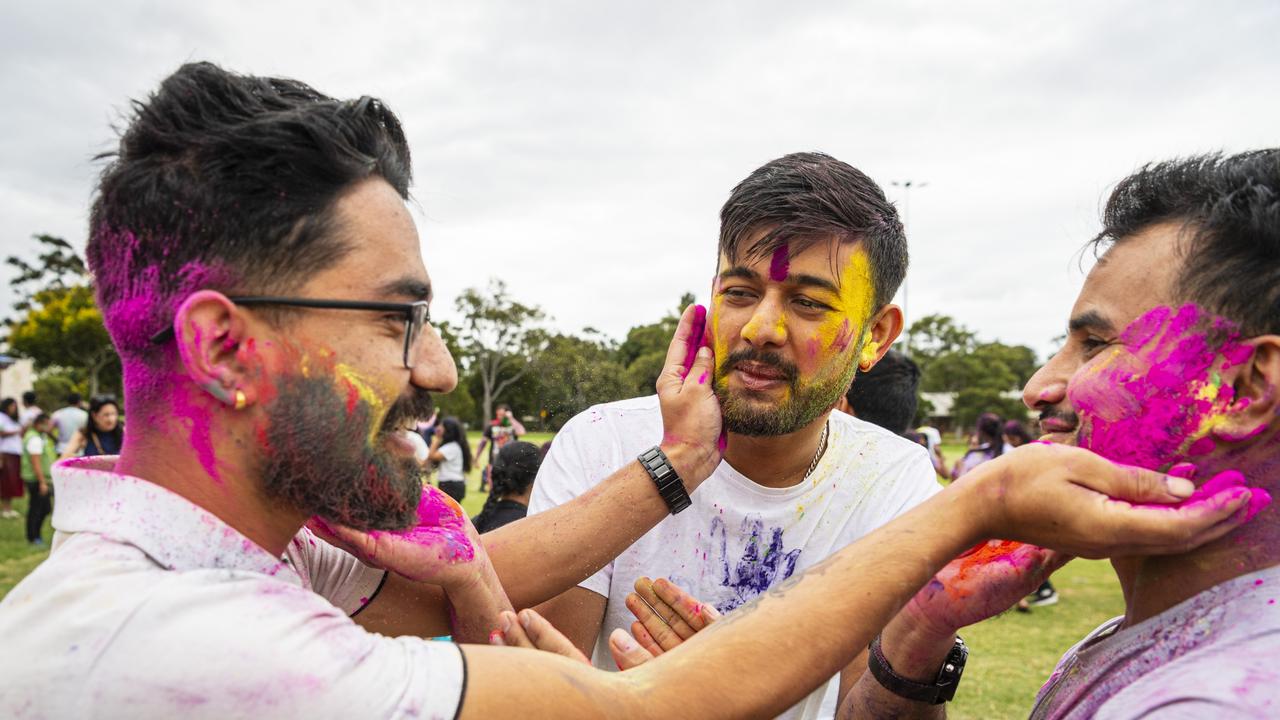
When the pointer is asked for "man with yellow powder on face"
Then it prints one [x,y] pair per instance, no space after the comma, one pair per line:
[810,254]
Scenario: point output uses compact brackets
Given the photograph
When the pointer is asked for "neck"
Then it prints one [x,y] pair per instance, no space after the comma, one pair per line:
[198,456]
[1153,584]
[776,461]
[522,498]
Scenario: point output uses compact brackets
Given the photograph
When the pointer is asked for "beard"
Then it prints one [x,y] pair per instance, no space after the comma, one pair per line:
[803,404]
[324,456]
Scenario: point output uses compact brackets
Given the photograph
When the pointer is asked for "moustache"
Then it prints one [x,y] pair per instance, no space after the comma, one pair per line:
[1065,416]
[408,410]
[772,359]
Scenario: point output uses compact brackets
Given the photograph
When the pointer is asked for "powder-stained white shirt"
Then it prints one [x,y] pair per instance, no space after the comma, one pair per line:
[738,539]
[151,607]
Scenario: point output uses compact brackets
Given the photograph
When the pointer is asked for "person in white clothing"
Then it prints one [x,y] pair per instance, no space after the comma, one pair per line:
[450,448]
[811,253]
[69,420]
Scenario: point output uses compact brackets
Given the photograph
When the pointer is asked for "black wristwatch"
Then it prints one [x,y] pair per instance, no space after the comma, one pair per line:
[670,486]
[944,686]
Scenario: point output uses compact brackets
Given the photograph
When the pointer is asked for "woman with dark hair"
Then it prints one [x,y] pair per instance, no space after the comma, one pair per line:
[103,434]
[1015,434]
[988,444]
[514,469]
[11,452]
[451,451]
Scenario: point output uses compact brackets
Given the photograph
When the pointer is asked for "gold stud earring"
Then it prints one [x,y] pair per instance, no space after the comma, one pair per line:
[241,400]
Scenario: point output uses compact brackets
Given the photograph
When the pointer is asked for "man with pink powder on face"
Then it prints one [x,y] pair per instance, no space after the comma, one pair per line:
[1172,362]
[262,279]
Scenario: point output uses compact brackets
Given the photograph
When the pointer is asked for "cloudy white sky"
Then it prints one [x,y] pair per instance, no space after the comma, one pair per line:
[581,150]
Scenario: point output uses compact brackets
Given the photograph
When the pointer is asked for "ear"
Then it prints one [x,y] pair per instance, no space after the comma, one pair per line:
[1255,406]
[885,327]
[209,329]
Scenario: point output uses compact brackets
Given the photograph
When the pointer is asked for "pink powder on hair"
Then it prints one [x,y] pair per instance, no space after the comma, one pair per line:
[780,264]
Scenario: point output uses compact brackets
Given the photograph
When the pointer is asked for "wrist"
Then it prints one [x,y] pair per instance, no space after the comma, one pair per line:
[692,463]
[979,500]
[915,648]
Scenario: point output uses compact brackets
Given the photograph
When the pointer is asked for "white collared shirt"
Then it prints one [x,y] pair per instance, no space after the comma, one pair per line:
[151,607]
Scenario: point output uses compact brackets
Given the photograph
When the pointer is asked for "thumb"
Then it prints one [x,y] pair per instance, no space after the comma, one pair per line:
[626,652]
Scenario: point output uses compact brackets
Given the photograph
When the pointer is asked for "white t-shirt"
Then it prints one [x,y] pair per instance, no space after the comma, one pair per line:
[451,468]
[151,607]
[35,446]
[738,539]
[28,415]
[69,420]
[10,444]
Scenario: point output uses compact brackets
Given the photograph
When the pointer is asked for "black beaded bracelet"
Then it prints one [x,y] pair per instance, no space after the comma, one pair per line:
[670,486]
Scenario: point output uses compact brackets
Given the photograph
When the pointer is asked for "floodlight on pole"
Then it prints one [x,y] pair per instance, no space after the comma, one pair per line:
[907,186]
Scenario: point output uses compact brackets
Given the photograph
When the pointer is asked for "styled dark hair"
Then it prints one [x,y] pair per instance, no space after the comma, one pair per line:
[886,394]
[990,427]
[804,198]
[29,397]
[227,182]
[1231,208]
[454,433]
[5,407]
[91,428]
[73,398]
[39,419]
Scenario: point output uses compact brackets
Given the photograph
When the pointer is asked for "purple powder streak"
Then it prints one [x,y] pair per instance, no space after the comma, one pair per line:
[780,265]
[697,335]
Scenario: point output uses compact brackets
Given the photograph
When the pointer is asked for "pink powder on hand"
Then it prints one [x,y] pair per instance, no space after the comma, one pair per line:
[440,524]
[696,335]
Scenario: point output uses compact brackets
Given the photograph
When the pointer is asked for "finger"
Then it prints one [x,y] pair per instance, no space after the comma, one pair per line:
[627,653]
[646,640]
[1124,482]
[672,619]
[1139,530]
[674,368]
[353,541]
[655,626]
[702,366]
[547,638]
[695,614]
[513,634]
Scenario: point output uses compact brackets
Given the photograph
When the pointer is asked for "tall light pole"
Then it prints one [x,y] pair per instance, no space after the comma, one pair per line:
[906,186]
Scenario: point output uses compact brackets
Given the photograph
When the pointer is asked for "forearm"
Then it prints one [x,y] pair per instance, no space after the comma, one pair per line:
[543,555]
[474,608]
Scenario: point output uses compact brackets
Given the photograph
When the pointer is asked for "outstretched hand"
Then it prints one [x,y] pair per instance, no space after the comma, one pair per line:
[666,616]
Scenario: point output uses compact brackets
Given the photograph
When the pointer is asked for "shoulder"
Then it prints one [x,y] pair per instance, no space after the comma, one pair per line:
[622,416]
[871,441]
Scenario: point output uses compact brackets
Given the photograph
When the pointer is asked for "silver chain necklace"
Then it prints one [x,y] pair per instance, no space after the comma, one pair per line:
[822,449]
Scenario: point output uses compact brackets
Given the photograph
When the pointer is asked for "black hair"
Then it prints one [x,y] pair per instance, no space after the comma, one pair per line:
[1231,208]
[39,419]
[990,427]
[804,198]
[73,399]
[29,397]
[4,407]
[1018,431]
[227,182]
[453,432]
[886,394]
[91,428]
[515,467]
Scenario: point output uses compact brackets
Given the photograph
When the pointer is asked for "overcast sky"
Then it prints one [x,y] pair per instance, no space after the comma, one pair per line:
[581,150]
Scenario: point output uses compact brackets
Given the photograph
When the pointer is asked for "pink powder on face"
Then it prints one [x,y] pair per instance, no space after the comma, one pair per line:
[441,524]
[1144,406]
[780,265]
[843,337]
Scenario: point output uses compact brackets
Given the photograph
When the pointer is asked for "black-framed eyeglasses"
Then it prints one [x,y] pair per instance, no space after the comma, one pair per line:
[416,314]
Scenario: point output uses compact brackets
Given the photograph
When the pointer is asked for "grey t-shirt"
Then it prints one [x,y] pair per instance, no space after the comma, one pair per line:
[1216,655]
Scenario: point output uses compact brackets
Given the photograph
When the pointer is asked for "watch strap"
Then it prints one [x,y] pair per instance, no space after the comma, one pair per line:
[943,688]
[664,476]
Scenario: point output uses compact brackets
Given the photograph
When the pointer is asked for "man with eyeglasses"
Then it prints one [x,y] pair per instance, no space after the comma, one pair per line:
[263,283]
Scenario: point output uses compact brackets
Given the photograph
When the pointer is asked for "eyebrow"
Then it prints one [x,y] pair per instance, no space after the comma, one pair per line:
[801,279]
[407,287]
[1090,319]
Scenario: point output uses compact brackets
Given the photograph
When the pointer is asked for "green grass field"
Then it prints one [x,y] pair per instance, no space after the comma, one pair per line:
[1010,656]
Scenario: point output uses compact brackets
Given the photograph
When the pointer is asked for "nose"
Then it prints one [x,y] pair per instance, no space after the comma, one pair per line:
[434,370]
[768,324]
[1048,386]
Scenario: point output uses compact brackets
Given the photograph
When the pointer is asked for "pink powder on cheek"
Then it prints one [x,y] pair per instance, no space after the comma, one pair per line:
[843,337]
[1146,416]
[780,265]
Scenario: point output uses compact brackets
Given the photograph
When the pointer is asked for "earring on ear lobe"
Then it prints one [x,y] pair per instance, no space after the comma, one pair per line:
[241,400]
